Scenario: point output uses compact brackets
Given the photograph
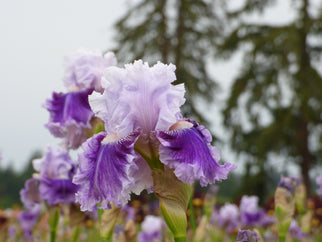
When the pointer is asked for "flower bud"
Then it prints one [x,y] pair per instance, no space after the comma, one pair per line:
[284,205]
[108,220]
[174,198]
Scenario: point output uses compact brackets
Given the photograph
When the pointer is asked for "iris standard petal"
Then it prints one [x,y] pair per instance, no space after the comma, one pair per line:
[56,164]
[138,97]
[103,171]
[84,68]
[189,152]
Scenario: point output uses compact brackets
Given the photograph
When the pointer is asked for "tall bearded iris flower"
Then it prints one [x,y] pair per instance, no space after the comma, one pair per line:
[56,170]
[144,130]
[70,113]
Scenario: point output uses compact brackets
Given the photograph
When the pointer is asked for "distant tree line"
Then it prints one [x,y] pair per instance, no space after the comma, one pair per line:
[12,181]
[274,106]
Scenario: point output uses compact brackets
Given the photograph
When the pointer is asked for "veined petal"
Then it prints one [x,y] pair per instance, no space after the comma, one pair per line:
[70,114]
[189,152]
[142,175]
[138,97]
[72,106]
[103,171]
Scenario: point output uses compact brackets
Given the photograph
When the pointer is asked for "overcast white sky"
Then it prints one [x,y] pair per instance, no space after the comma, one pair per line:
[35,36]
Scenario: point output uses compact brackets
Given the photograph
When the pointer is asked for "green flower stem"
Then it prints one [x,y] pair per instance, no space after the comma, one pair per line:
[180,239]
[192,214]
[75,234]
[53,223]
[174,197]
[104,239]
[282,238]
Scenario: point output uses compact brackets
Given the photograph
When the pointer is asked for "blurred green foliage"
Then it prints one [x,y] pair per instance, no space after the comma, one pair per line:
[182,32]
[12,181]
[275,103]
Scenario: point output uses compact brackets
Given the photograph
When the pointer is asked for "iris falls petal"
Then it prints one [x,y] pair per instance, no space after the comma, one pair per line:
[30,194]
[70,114]
[56,191]
[189,152]
[103,171]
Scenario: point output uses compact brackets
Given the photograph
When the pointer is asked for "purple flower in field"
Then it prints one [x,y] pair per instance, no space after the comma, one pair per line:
[289,183]
[30,196]
[247,236]
[228,217]
[319,182]
[84,69]
[295,231]
[56,172]
[27,220]
[144,129]
[251,214]
[151,229]
[12,232]
[70,113]
[129,212]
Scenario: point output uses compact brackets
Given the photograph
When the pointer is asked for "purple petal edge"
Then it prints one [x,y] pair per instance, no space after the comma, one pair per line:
[189,152]
[102,176]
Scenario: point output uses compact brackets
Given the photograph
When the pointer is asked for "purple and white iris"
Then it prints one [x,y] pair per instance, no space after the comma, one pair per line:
[84,69]
[70,113]
[228,217]
[56,172]
[251,214]
[144,130]
[290,183]
[295,231]
[151,229]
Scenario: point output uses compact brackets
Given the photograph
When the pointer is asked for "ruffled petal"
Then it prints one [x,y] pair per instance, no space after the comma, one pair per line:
[56,164]
[84,69]
[103,171]
[189,152]
[138,97]
[30,194]
[70,114]
[142,176]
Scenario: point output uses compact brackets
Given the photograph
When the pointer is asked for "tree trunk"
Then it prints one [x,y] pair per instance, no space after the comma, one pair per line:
[304,73]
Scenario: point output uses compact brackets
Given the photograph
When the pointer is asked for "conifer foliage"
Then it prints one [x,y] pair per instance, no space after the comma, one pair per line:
[279,87]
[181,32]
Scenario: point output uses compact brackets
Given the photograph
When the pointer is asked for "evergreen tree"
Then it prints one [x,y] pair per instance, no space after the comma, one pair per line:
[181,32]
[279,89]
